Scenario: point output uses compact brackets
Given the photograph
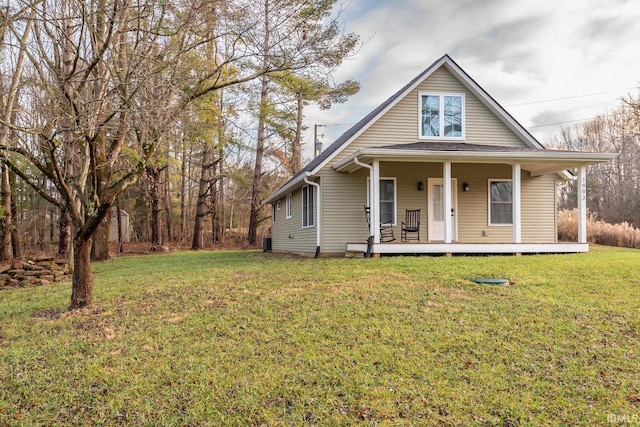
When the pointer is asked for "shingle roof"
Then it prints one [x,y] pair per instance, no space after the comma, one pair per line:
[457,146]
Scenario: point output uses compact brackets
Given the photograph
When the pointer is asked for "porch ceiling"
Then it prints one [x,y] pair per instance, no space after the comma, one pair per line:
[535,161]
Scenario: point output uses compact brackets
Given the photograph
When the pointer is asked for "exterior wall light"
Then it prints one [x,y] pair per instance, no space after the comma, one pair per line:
[465,187]
[420,186]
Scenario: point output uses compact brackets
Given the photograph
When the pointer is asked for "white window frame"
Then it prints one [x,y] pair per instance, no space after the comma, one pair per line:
[287,206]
[308,209]
[395,197]
[489,203]
[273,213]
[441,96]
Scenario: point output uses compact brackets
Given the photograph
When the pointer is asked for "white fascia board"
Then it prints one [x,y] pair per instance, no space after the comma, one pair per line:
[544,155]
[549,156]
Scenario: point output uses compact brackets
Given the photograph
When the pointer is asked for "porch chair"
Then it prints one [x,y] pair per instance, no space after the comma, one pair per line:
[386,230]
[411,225]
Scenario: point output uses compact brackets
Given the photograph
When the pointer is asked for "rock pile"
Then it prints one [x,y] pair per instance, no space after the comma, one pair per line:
[38,271]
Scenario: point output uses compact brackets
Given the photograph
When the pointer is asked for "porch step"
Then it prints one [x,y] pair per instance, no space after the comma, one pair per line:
[354,254]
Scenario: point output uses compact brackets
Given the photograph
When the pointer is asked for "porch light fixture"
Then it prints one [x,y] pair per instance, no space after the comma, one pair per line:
[420,186]
[465,187]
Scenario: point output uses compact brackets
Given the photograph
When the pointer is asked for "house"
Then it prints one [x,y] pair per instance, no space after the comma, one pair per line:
[441,146]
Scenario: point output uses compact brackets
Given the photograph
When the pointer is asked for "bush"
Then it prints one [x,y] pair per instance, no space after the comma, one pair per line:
[598,231]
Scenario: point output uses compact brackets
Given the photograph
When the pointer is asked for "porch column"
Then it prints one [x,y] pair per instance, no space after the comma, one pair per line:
[582,204]
[375,201]
[517,216]
[446,175]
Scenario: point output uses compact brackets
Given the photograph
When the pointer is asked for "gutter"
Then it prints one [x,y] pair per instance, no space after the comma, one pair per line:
[315,184]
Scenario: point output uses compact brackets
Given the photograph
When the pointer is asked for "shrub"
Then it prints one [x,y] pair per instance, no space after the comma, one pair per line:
[598,231]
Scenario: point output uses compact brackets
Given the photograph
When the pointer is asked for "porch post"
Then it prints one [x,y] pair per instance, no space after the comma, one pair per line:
[375,201]
[582,204]
[446,175]
[517,217]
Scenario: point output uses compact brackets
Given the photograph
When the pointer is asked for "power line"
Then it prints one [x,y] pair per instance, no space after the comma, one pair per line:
[561,123]
[571,97]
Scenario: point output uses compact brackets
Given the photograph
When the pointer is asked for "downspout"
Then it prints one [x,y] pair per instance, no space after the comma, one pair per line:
[371,184]
[315,184]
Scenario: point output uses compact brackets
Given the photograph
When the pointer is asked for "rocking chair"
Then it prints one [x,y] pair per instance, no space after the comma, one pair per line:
[411,225]
[386,230]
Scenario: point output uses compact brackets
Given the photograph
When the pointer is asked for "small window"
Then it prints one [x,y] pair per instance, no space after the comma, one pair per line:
[442,116]
[500,202]
[287,206]
[388,201]
[273,212]
[307,206]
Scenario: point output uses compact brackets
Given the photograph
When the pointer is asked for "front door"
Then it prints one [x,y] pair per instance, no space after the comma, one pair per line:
[435,209]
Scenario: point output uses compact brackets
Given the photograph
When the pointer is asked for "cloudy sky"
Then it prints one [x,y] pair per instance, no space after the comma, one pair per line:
[550,63]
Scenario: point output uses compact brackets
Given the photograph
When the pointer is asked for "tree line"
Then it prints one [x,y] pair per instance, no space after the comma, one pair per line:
[613,188]
[183,113]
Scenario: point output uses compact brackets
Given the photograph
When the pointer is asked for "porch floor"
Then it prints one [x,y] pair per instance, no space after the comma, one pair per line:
[469,248]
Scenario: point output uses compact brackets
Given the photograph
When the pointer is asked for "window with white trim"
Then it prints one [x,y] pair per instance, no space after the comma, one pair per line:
[388,203]
[273,212]
[287,206]
[441,115]
[307,206]
[500,202]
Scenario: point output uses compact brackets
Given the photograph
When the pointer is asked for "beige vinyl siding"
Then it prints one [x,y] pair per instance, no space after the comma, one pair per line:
[539,214]
[343,199]
[473,206]
[287,233]
[400,124]
[344,196]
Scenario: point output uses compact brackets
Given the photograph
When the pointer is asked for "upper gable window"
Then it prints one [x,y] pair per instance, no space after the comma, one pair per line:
[442,115]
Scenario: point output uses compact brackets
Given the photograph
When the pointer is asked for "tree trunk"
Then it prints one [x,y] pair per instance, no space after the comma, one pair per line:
[6,252]
[154,174]
[82,281]
[203,194]
[256,186]
[65,233]
[100,248]
[218,208]
[296,150]
[15,234]
[183,189]
[167,203]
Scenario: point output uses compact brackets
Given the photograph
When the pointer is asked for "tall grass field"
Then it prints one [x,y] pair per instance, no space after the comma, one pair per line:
[253,339]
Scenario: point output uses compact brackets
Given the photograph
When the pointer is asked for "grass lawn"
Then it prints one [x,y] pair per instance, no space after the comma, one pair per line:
[246,338]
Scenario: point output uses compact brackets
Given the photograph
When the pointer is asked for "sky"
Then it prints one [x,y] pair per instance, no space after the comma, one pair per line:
[550,63]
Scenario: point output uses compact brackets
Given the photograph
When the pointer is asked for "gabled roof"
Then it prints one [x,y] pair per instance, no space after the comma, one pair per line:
[316,164]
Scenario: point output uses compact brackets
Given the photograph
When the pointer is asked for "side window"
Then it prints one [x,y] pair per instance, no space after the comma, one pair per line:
[307,206]
[287,206]
[500,202]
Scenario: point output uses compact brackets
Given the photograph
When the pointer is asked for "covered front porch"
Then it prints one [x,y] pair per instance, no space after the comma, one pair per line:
[464,208]
[399,248]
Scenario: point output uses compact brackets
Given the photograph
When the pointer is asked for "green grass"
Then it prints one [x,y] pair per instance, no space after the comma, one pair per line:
[245,338]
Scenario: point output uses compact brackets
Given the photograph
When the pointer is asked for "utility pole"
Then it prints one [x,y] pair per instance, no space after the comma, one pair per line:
[317,147]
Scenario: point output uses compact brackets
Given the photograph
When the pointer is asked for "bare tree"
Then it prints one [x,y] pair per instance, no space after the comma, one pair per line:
[109,78]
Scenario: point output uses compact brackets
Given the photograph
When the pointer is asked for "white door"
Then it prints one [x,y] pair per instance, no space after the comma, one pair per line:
[435,209]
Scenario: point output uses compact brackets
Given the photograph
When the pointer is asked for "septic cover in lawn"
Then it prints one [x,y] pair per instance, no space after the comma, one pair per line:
[490,281]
